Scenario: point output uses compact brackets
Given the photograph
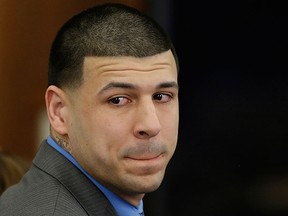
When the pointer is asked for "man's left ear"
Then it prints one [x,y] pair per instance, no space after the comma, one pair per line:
[56,106]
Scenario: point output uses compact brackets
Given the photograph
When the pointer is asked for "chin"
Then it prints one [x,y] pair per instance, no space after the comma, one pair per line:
[149,185]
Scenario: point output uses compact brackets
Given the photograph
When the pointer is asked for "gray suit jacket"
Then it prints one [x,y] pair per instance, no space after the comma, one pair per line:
[54,186]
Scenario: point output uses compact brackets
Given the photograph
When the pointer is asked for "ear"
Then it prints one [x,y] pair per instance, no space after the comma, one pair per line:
[57,110]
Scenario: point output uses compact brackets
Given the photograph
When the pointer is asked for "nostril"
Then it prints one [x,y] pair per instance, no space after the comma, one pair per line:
[142,133]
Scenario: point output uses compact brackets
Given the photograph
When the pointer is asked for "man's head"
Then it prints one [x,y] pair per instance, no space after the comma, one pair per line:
[106,30]
[112,99]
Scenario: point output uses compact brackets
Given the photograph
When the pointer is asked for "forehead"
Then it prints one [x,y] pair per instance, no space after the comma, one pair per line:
[153,66]
[140,74]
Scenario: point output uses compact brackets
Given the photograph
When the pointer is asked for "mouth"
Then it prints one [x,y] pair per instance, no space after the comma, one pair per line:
[145,164]
[144,157]
[150,163]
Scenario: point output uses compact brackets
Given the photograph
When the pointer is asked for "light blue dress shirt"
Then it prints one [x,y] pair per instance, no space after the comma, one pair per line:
[122,207]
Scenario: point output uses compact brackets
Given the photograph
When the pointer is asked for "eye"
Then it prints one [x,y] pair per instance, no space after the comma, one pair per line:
[119,101]
[161,97]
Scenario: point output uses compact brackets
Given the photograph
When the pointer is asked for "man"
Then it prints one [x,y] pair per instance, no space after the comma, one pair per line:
[112,103]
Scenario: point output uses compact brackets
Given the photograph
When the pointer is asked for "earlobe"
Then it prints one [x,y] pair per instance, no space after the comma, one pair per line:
[56,106]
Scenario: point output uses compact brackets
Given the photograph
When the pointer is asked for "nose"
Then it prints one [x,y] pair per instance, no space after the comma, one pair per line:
[147,122]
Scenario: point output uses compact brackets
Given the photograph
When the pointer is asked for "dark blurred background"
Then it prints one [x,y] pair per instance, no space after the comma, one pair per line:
[231,158]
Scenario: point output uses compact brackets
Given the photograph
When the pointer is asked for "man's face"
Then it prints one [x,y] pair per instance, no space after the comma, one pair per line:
[123,121]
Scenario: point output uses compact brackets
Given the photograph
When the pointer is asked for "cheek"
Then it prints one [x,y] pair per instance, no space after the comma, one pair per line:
[170,127]
[170,120]
[99,133]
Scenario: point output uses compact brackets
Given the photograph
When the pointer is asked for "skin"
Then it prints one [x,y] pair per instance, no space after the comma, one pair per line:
[121,124]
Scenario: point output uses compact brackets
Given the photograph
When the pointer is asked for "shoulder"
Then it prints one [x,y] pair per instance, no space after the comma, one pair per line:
[38,193]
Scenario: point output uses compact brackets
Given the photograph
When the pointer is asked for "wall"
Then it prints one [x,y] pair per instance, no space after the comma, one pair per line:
[27,29]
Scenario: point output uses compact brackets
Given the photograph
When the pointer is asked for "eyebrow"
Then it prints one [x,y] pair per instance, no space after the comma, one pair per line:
[124,85]
[172,84]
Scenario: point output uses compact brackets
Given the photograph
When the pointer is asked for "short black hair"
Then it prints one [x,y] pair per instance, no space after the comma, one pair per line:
[110,29]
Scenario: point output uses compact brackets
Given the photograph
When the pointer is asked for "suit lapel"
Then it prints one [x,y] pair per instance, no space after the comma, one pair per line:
[84,191]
